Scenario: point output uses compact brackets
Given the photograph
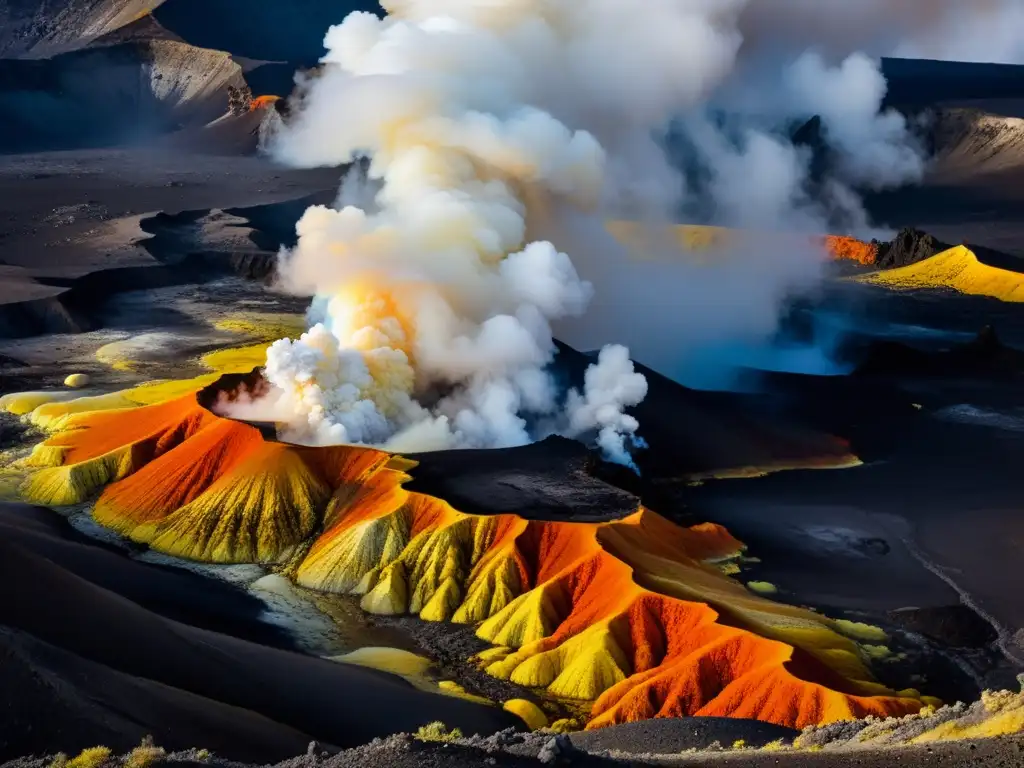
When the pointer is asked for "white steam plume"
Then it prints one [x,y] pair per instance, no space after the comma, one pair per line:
[502,134]
[952,30]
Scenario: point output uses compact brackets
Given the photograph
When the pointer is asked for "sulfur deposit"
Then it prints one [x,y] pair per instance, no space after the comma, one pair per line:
[628,615]
[958,269]
[76,380]
[995,714]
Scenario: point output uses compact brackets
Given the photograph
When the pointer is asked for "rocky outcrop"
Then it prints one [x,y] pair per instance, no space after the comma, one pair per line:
[255,265]
[239,99]
[908,247]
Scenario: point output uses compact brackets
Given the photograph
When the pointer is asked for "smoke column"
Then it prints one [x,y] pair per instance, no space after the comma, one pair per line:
[502,134]
[952,30]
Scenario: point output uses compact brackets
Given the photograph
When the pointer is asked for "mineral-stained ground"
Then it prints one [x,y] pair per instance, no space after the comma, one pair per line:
[806,570]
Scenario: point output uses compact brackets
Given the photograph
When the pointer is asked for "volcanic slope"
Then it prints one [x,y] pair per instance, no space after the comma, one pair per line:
[711,434]
[626,615]
[972,142]
[113,94]
[972,189]
[79,650]
[37,28]
[958,269]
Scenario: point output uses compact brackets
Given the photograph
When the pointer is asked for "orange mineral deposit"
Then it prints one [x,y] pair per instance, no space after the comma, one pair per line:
[851,249]
[629,616]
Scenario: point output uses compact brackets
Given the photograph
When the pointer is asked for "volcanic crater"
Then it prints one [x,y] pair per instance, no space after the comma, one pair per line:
[792,551]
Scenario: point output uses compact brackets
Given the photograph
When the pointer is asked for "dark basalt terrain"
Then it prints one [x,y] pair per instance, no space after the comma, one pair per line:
[77,228]
[121,644]
[547,480]
[126,164]
[985,355]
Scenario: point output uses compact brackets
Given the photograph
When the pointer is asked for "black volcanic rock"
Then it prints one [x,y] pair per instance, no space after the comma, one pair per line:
[53,699]
[692,433]
[239,99]
[811,135]
[908,247]
[670,736]
[951,625]
[547,480]
[983,355]
[254,266]
[82,645]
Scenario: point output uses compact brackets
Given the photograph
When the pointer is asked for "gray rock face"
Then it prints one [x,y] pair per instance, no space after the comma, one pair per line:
[37,28]
[908,247]
[558,751]
[123,93]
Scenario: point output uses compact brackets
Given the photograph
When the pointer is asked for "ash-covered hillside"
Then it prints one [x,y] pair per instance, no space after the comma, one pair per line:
[39,28]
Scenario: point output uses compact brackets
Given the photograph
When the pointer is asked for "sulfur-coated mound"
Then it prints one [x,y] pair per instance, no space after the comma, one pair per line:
[958,269]
[627,612]
[995,715]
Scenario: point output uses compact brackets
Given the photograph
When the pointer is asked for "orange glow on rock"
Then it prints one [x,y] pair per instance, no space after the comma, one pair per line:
[262,102]
[851,249]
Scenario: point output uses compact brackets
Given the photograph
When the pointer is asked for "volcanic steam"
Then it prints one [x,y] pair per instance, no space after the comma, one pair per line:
[502,135]
[431,327]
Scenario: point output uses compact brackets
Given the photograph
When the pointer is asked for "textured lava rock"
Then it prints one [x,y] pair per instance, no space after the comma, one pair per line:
[955,625]
[908,247]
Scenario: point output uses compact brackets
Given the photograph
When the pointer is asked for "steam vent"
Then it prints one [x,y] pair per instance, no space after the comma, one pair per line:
[582,592]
